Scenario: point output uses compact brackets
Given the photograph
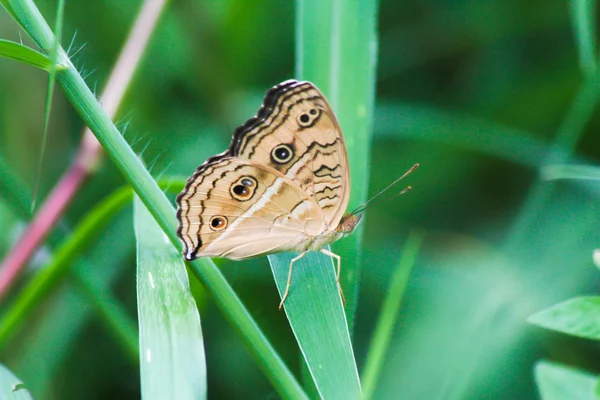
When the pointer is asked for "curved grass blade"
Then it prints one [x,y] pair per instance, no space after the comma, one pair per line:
[558,382]
[314,309]
[11,387]
[172,358]
[18,52]
[578,317]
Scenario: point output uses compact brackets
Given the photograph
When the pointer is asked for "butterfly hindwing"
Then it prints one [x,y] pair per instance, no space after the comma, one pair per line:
[234,208]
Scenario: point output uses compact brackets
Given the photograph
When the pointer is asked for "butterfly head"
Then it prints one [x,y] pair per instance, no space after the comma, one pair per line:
[348,223]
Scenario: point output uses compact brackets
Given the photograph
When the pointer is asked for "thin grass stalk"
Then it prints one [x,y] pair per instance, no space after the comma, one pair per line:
[384,329]
[60,11]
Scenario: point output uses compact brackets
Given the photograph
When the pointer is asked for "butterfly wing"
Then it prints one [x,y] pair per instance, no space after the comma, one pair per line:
[296,133]
[237,209]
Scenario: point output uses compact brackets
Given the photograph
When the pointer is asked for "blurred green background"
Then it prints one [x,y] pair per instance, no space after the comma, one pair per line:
[475,91]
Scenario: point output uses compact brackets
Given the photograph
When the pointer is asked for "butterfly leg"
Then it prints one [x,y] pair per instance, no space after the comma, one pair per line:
[289,279]
[337,275]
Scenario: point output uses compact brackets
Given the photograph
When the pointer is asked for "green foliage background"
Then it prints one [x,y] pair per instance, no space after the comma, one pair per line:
[475,91]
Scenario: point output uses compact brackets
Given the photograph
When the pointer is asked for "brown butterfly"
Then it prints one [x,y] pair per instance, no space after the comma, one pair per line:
[283,185]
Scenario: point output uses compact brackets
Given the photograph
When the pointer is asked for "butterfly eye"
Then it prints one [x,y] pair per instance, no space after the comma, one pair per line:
[218,223]
[248,182]
[282,154]
[307,119]
[243,189]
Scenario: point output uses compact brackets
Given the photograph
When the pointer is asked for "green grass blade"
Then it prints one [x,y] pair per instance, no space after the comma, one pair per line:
[172,362]
[558,382]
[18,52]
[578,317]
[336,48]
[565,171]
[157,203]
[11,387]
[389,314]
[583,14]
[314,309]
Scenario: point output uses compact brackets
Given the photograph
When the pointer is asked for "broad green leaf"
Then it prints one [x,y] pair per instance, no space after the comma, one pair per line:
[558,382]
[314,309]
[11,387]
[172,362]
[578,317]
[19,52]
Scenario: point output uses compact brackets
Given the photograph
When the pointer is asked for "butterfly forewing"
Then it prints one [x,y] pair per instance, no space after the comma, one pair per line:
[296,122]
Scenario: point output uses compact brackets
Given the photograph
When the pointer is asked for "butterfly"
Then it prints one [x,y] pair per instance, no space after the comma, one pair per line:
[282,185]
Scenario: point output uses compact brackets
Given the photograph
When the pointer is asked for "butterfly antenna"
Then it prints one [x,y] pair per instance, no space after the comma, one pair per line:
[369,202]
